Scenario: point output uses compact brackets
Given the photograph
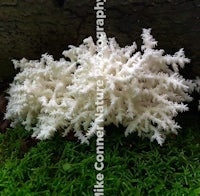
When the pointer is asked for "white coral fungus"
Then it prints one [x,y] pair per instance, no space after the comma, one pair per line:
[143,90]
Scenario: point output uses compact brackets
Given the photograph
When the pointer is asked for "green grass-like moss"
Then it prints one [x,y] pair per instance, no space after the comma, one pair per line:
[133,166]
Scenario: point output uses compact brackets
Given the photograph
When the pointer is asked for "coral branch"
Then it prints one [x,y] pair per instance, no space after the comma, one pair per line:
[143,90]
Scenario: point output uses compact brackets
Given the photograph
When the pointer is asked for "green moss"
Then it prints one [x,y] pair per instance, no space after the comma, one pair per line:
[132,166]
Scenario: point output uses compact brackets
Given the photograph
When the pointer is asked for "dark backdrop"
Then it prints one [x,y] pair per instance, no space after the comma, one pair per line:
[29,28]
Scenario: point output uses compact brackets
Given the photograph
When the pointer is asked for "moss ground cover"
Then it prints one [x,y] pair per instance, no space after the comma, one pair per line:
[133,166]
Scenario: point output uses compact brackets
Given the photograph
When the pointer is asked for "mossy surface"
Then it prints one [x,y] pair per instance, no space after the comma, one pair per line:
[133,166]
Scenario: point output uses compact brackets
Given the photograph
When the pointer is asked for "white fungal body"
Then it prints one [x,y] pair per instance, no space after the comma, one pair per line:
[143,90]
